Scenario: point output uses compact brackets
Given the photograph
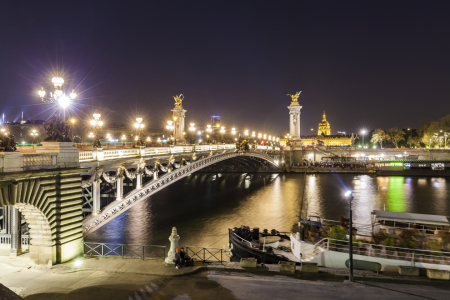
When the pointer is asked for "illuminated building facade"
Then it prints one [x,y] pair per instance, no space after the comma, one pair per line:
[325,137]
[215,123]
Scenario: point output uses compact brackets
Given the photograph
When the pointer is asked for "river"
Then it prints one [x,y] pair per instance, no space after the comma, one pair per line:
[203,205]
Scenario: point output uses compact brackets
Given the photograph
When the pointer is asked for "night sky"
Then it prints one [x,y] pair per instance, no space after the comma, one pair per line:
[369,64]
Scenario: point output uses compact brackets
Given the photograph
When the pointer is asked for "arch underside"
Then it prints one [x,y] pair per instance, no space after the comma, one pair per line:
[248,162]
[50,202]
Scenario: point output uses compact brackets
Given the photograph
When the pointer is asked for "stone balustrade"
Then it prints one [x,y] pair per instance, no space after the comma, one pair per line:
[100,154]
[39,161]
[18,162]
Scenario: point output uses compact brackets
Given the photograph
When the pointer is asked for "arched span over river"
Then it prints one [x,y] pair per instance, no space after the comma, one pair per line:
[204,205]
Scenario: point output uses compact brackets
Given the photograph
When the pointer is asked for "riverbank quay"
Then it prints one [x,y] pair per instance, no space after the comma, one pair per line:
[109,278]
[316,170]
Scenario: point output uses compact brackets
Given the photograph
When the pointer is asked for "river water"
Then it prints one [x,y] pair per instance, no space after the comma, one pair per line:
[203,205]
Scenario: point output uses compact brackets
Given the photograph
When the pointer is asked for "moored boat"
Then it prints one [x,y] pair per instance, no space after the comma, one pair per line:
[267,247]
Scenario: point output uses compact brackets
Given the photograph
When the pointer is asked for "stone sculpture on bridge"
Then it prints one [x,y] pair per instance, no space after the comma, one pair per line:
[57,130]
[8,143]
[294,98]
[178,101]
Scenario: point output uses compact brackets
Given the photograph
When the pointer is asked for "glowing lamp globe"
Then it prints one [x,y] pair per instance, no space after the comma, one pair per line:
[41,93]
[73,95]
[64,101]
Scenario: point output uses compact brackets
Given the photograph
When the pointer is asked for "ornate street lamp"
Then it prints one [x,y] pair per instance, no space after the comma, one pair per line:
[139,126]
[192,130]
[222,131]
[34,135]
[57,129]
[209,130]
[170,127]
[97,125]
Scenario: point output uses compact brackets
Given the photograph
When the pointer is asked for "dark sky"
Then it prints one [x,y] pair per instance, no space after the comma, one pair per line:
[369,64]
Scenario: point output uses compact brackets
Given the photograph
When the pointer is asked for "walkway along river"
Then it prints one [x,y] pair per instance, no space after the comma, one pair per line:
[204,205]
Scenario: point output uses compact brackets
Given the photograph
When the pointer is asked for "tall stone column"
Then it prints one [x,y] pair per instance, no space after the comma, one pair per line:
[294,121]
[96,196]
[179,114]
[294,151]
[15,218]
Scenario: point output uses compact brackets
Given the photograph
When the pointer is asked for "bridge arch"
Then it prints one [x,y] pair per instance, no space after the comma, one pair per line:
[114,209]
[51,204]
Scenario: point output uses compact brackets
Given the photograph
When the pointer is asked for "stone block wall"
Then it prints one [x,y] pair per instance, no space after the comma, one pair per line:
[51,202]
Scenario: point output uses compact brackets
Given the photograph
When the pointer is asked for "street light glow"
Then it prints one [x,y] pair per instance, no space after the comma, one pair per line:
[64,101]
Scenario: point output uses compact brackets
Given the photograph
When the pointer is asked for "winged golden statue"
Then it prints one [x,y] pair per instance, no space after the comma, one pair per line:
[178,101]
[295,98]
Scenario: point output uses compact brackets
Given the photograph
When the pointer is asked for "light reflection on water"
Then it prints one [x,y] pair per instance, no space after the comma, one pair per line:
[204,206]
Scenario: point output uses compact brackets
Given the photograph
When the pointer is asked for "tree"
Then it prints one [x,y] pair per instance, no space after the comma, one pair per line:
[378,136]
[413,141]
[395,135]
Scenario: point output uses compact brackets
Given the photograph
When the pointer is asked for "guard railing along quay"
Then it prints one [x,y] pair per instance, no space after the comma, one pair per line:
[412,255]
[125,251]
[205,254]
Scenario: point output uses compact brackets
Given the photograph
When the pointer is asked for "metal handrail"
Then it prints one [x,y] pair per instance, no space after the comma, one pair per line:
[400,253]
[123,250]
[210,251]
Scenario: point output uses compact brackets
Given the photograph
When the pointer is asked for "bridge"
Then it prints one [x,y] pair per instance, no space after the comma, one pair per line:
[63,194]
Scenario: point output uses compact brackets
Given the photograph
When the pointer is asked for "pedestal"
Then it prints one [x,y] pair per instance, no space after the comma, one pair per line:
[68,156]
[11,162]
[174,238]
[179,113]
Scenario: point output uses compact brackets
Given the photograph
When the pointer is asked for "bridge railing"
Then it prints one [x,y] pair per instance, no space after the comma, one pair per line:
[125,250]
[205,254]
[5,239]
[100,154]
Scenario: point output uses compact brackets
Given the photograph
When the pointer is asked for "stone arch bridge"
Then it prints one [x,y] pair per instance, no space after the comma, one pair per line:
[249,161]
[48,192]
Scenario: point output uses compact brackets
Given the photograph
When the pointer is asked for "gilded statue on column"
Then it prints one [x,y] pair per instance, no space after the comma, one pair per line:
[178,101]
[295,98]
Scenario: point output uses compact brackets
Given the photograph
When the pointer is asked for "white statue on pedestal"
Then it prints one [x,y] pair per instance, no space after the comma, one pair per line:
[174,238]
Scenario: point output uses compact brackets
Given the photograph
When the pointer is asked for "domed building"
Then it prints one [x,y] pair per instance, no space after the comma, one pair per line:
[324,126]
[325,138]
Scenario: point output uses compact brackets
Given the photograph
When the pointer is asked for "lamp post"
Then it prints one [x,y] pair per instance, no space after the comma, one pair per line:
[34,135]
[445,139]
[350,238]
[209,130]
[139,126]
[170,127]
[58,96]
[192,130]
[97,125]
[363,132]
[73,127]
[222,131]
